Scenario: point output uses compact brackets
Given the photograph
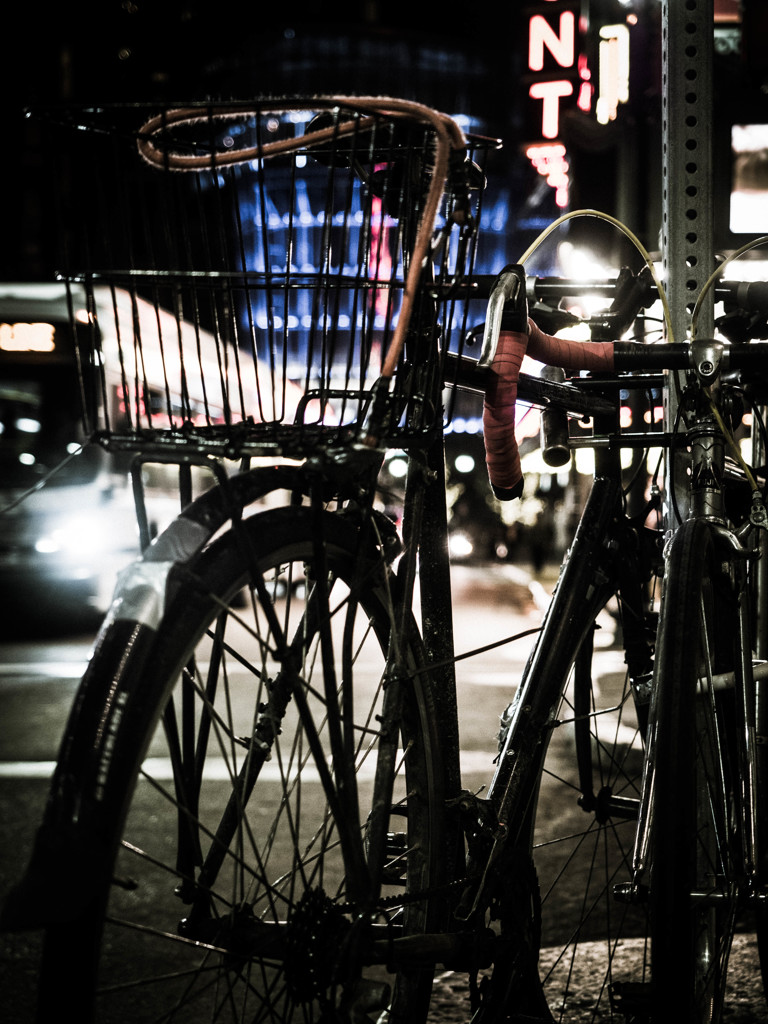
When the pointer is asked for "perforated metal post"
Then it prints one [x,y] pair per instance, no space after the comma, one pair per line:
[688,198]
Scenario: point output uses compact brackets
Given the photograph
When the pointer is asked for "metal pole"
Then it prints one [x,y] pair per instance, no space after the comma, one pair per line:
[687,198]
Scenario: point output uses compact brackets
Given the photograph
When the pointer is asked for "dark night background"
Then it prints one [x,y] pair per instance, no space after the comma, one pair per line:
[465,59]
[177,50]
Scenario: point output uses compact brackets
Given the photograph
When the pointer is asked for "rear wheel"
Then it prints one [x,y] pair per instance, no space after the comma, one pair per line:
[286,812]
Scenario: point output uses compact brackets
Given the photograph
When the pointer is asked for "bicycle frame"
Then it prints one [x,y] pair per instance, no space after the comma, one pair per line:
[595,567]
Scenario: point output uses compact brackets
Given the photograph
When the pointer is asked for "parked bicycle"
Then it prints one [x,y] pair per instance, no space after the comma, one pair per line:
[261,773]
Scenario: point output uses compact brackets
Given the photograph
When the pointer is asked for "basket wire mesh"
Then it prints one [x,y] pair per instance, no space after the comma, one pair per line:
[246,278]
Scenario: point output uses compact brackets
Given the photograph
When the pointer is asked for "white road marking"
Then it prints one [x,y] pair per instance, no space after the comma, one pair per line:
[217,770]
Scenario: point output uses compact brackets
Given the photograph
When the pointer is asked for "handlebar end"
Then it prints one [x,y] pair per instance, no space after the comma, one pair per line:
[509,493]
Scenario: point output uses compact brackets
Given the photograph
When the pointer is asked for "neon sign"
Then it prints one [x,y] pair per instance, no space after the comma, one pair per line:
[614,71]
[35,337]
[559,78]
[549,160]
[550,93]
[556,72]
[561,44]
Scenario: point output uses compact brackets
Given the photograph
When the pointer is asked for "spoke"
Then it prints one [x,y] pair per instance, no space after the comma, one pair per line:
[257,871]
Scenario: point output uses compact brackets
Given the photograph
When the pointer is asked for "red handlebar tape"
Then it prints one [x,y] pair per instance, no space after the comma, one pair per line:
[502,455]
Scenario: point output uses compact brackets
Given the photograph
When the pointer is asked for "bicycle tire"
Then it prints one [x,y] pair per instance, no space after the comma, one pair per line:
[263,903]
[585,851]
[579,944]
[696,856]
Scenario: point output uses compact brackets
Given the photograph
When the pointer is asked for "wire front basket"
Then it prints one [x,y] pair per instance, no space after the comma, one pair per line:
[247,279]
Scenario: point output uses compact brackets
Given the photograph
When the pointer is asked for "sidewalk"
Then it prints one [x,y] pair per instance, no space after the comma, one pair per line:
[745,1003]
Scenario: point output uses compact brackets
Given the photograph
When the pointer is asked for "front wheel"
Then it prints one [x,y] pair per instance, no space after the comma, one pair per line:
[696,874]
[278,830]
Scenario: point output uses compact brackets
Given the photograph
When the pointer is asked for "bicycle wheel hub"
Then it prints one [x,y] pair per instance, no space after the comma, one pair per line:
[315,945]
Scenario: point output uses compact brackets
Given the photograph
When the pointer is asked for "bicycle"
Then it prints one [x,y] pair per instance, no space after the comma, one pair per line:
[266,675]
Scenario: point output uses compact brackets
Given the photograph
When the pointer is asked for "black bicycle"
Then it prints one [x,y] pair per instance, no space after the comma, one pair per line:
[260,780]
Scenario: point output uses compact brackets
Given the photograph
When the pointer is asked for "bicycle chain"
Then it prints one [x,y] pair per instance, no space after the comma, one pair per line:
[414,897]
